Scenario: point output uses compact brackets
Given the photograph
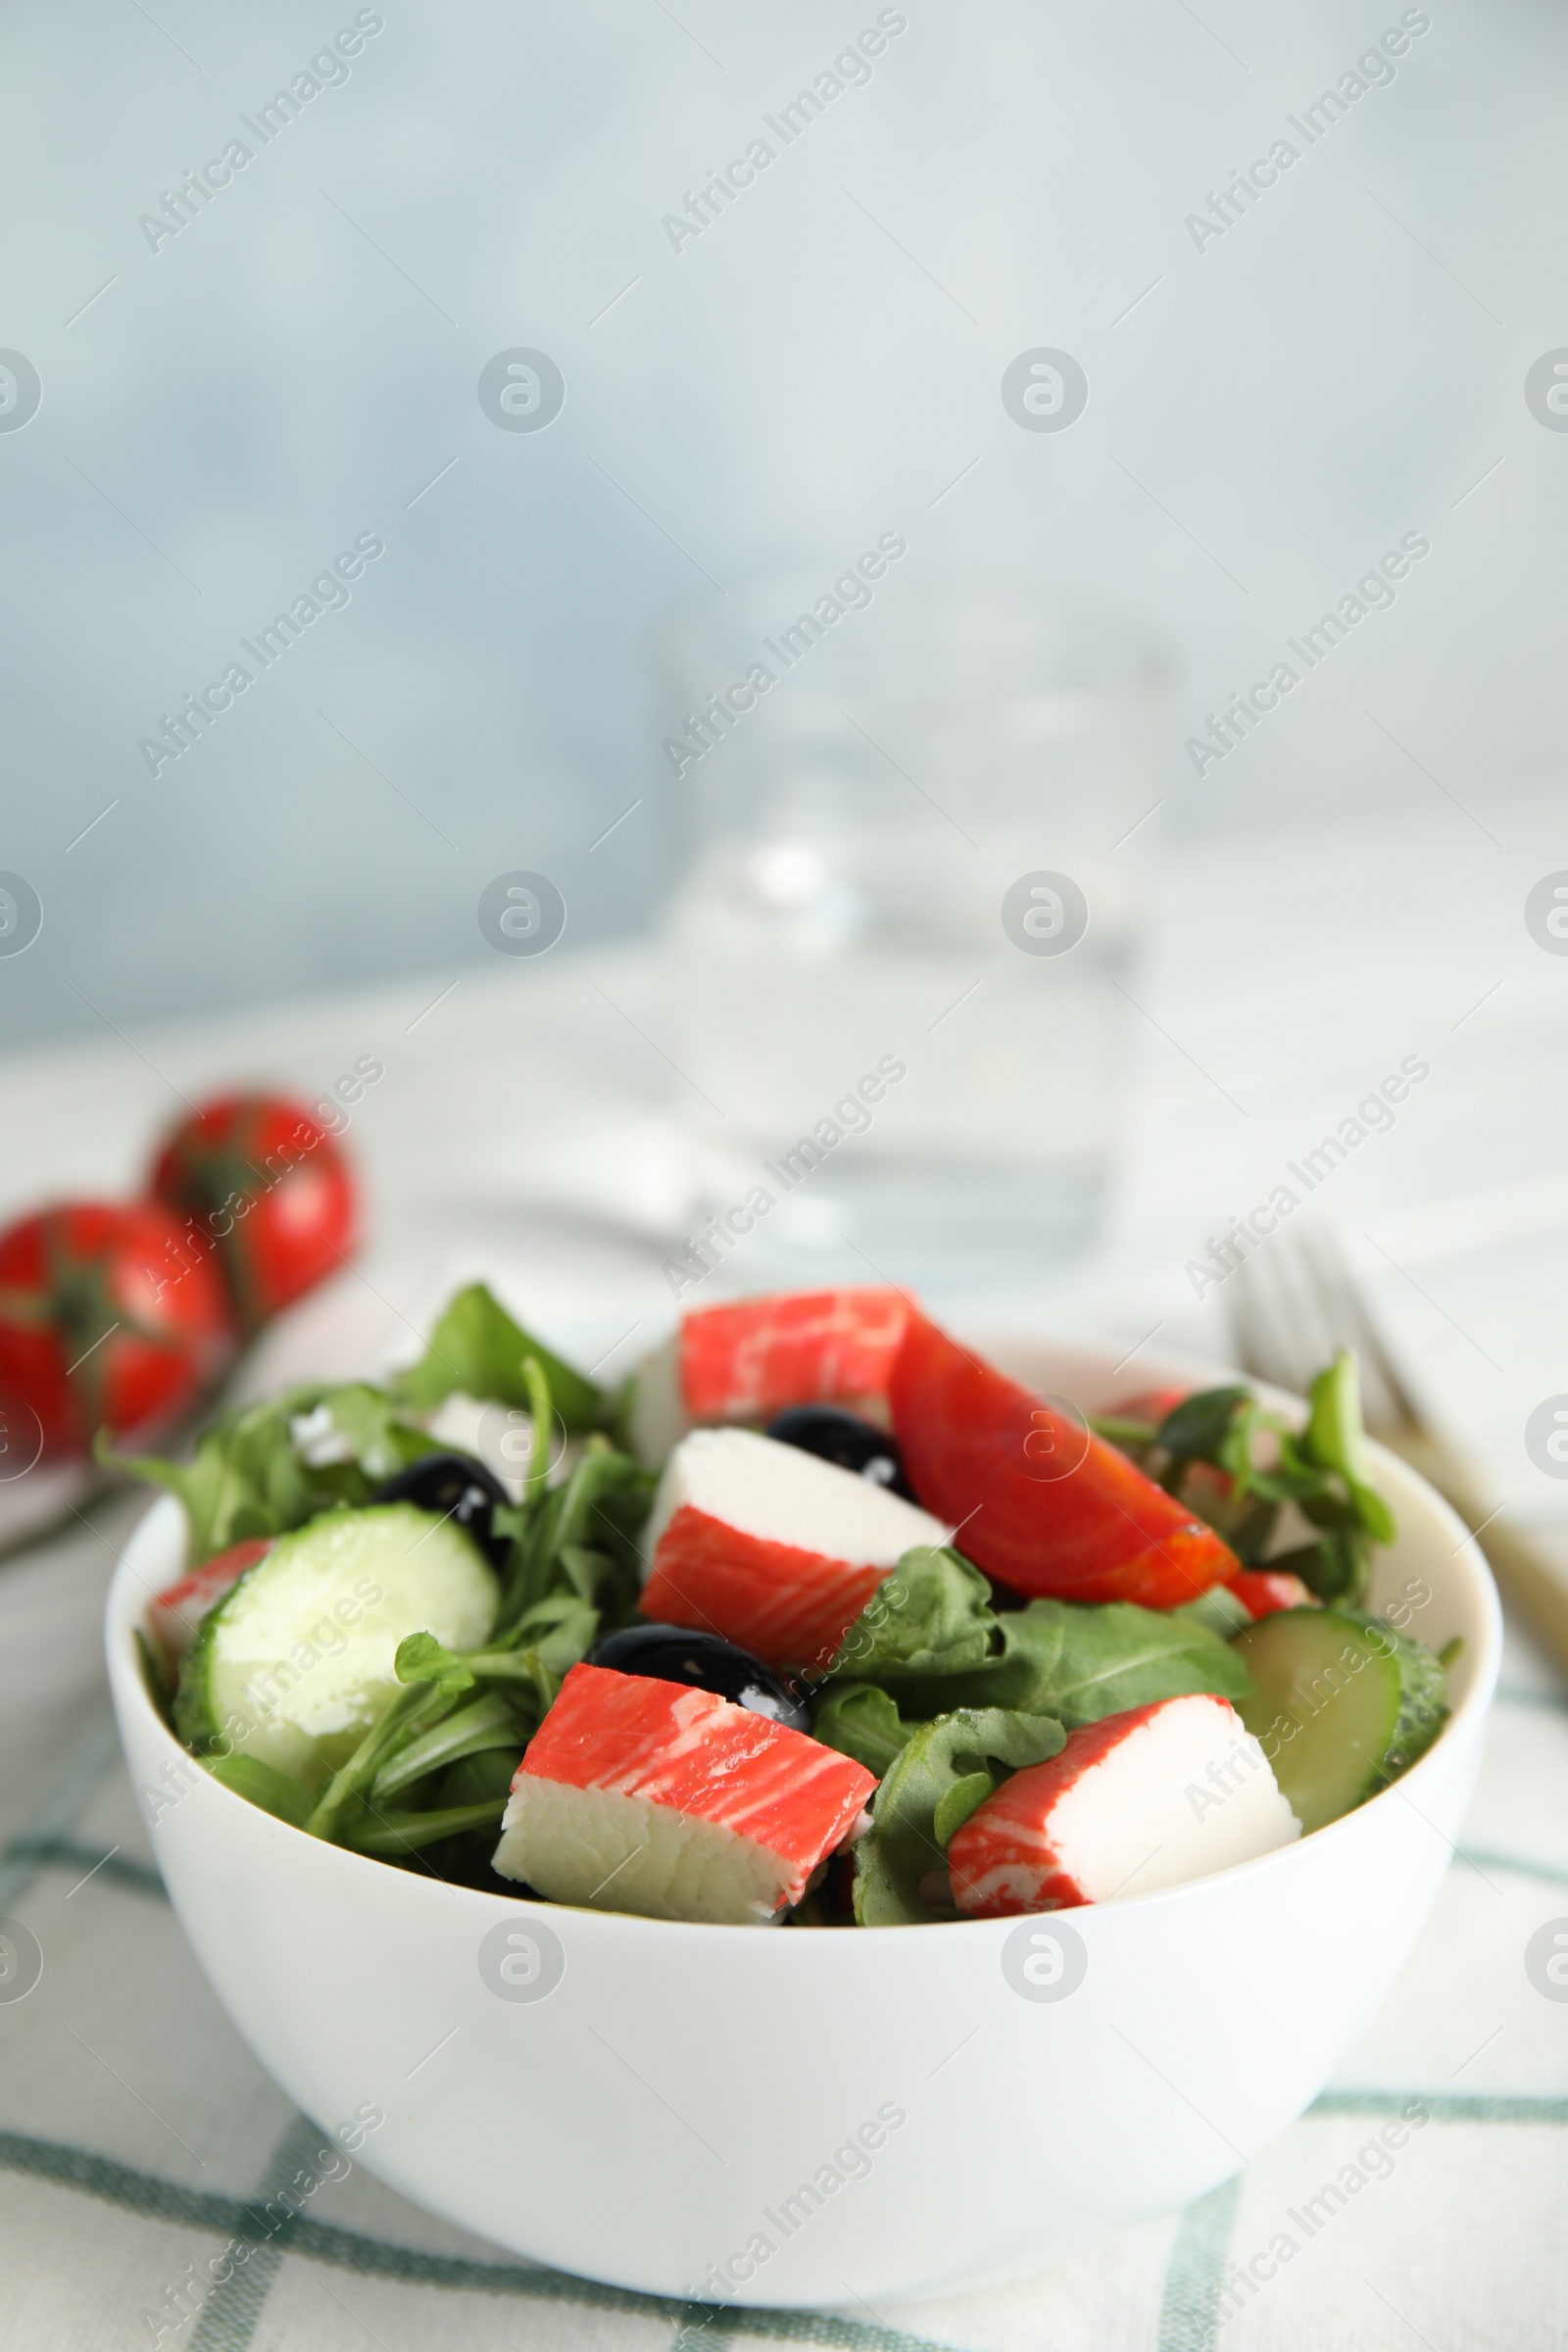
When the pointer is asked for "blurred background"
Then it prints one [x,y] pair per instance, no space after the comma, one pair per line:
[242,379]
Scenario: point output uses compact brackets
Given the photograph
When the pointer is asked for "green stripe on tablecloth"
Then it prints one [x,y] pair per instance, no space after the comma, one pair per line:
[61,1853]
[65,1800]
[1514,1695]
[701,2327]
[1445,2106]
[1197,2269]
[228,2315]
[1481,1858]
[67,2167]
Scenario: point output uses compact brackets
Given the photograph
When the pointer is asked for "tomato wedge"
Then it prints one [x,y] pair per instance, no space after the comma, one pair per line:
[1035,1497]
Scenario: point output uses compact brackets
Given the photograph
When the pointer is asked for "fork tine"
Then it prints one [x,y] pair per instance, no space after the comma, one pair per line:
[1295,1304]
[1349,1313]
[1254,1337]
[1248,1330]
[1270,1316]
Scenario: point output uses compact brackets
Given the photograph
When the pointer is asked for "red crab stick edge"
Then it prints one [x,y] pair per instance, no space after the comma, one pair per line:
[174,1617]
[1145,1799]
[650,1797]
[770,1546]
[1037,1500]
[747,1358]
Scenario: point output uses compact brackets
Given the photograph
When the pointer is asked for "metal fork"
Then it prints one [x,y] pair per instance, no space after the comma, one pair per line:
[1291,1306]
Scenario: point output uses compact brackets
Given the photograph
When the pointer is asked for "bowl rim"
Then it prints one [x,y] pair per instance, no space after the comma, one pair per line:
[122,1617]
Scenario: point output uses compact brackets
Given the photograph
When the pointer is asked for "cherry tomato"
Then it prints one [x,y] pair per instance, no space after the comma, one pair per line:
[1034,1497]
[264,1180]
[110,1318]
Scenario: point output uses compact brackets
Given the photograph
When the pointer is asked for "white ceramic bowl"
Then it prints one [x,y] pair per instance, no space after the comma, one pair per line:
[803,2117]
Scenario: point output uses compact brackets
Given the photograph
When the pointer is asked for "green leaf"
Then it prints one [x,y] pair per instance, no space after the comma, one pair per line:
[1065,1658]
[862,1721]
[588,1572]
[479,1350]
[261,1784]
[422,1658]
[953,1809]
[480,1778]
[1336,1568]
[342,1801]
[160,1686]
[903,1847]
[396,1834]
[542,1413]
[1131,1437]
[1334,1437]
[488,1723]
[602,1506]
[252,1475]
[559,1630]
[1336,1440]
[1196,1430]
[1218,1610]
[932,1615]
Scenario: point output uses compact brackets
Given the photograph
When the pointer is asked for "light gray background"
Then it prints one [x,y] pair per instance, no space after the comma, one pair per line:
[294,368]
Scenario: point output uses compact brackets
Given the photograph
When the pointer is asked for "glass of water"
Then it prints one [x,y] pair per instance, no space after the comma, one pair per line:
[917,817]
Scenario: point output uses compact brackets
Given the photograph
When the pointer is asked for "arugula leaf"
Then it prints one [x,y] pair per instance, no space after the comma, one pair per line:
[932,1615]
[395,1834]
[1336,1567]
[490,1722]
[1067,1659]
[1219,1610]
[422,1658]
[953,1809]
[1199,1427]
[559,1630]
[270,1467]
[1335,1439]
[476,1348]
[862,1721]
[599,1509]
[937,1780]
[261,1784]
[531,1660]
[1128,1435]
[478,1779]
[1323,1470]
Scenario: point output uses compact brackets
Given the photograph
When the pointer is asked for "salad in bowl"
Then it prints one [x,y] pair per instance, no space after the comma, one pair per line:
[821,1620]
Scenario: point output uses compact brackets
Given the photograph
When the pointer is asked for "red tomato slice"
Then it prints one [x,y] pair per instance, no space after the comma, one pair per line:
[1036,1500]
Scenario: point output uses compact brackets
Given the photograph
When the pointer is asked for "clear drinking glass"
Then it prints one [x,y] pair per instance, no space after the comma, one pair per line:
[917,838]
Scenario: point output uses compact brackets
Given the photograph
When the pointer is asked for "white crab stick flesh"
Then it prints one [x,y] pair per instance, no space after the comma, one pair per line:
[745,1359]
[650,1797]
[771,1546]
[1145,1799]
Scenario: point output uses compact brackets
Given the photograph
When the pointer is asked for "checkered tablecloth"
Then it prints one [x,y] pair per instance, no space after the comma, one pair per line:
[1422,2200]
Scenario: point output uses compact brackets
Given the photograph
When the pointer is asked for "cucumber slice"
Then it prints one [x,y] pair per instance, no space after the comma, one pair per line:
[296,1662]
[1340,1705]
